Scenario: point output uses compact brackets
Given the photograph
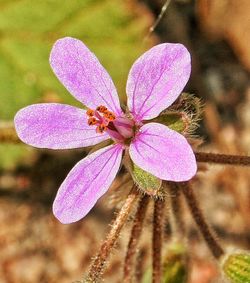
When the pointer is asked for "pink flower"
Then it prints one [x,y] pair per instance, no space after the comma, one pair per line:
[154,82]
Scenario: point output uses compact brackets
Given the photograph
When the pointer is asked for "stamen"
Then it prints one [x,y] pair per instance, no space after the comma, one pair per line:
[102,128]
[90,112]
[101,117]
[101,108]
[109,115]
[92,121]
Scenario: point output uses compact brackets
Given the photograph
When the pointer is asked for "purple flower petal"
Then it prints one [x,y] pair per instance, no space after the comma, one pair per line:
[156,79]
[163,153]
[86,183]
[55,126]
[83,75]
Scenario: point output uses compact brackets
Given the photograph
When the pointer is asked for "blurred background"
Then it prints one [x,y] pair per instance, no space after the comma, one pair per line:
[34,246]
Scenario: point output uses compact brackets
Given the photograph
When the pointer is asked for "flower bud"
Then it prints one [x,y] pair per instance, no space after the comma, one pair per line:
[236,267]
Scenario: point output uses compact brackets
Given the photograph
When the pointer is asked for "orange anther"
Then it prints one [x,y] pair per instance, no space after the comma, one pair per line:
[92,121]
[102,128]
[101,117]
[109,115]
[101,108]
[90,112]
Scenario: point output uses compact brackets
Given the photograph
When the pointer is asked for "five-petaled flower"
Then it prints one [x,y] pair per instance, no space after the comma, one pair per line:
[155,81]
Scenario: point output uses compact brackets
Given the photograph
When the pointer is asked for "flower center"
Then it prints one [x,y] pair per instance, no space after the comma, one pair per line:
[101,117]
[120,129]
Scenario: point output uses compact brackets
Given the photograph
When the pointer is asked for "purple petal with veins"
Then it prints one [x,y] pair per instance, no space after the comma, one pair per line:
[55,126]
[156,79]
[82,74]
[86,183]
[163,153]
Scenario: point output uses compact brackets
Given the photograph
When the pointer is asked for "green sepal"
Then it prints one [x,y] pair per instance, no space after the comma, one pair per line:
[145,181]
[237,267]
[184,115]
[173,120]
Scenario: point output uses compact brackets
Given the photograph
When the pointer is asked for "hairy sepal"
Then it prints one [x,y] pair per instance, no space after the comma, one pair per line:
[184,115]
[146,182]
[177,121]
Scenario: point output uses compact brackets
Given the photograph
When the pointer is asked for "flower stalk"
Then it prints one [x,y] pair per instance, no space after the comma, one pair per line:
[100,260]
[222,158]
[201,223]
[134,239]
[158,224]
[176,205]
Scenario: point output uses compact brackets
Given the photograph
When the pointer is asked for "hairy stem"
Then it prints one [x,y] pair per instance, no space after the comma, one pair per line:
[134,240]
[222,158]
[98,264]
[139,263]
[158,223]
[176,206]
[197,214]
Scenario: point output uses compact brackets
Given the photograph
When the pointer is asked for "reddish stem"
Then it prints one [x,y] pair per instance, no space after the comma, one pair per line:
[158,224]
[134,239]
[98,264]
[201,223]
[176,205]
[222,158]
